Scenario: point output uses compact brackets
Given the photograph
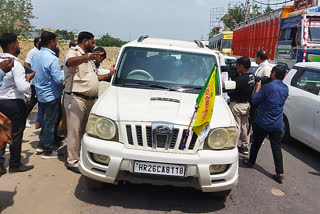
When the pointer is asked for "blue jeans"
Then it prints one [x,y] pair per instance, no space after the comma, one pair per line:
[51,118]
[39,114]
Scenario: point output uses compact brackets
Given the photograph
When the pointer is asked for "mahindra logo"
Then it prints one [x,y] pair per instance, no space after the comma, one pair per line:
[162,130]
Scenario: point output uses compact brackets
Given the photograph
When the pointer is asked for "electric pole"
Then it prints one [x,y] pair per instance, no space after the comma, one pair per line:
[247,10]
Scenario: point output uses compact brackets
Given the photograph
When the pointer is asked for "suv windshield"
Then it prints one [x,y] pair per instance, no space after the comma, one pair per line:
[164,69]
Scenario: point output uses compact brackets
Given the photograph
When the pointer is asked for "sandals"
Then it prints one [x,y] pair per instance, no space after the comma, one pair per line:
[278,178]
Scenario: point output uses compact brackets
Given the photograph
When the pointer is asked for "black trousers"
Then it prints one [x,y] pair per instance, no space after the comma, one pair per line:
[15,110]
[33,101]
[275,140]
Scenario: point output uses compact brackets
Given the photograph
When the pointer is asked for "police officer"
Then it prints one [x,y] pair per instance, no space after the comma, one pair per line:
[81,90]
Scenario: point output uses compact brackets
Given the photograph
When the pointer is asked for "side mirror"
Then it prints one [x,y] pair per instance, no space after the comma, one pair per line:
[229,85]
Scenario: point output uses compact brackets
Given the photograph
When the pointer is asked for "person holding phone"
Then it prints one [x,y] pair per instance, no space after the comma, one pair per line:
[14,85]
[81,90]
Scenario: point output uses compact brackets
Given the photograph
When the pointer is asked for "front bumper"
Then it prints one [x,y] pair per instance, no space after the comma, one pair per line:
[120,167]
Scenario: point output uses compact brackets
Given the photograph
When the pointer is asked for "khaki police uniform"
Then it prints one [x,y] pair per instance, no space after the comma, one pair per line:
[81,90]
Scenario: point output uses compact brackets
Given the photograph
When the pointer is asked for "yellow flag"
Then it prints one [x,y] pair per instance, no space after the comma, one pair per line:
[205,103]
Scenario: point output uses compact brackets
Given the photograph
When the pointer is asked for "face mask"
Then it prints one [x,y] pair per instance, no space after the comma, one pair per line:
[18,51]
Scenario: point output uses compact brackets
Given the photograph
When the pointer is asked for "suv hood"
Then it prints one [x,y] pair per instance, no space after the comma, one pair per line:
[145,105]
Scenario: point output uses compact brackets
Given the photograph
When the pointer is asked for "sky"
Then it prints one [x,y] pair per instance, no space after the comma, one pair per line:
[129,19]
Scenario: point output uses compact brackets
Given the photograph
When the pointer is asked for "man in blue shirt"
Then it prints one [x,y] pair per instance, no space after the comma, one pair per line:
[270,99]
[48,83]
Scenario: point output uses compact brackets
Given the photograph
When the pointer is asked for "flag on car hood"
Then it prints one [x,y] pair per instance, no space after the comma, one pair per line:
[205,105]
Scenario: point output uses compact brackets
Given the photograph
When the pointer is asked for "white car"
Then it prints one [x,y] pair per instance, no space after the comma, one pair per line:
[302,108]
[135,129]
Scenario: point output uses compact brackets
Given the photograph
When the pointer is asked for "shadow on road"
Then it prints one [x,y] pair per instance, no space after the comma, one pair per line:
[6,199]
[149,197]
[304,153]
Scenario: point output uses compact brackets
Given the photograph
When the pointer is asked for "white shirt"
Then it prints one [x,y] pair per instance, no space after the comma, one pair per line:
[29,57]
[14,84]
[264,69]
[30,54]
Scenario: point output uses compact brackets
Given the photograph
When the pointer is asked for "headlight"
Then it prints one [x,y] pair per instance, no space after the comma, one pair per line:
[101,127]
[222,138]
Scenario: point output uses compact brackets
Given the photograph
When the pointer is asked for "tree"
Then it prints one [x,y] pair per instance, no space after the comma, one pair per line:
[109,41]
[213,32]
[67,35]
[236,15]
[15,16]
[268,9]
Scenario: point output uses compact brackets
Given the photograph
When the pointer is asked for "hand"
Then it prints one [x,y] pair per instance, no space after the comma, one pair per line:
[7,65]
[95,55]
[258,86]
[112,70]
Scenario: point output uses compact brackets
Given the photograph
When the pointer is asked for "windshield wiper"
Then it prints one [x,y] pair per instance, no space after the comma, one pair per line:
[148,85]
[188,88]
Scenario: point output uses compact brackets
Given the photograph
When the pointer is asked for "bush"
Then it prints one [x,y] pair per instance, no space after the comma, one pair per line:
[109,41]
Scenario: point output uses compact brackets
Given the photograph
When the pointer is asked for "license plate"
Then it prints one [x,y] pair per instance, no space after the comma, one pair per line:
[159,168]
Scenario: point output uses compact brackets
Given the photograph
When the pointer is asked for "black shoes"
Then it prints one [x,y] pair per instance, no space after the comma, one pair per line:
[247,163]
[73,169]
[3,170]
[21,168]
[278,178]
[243,150]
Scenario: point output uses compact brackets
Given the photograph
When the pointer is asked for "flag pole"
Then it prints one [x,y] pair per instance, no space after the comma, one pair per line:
[183,145]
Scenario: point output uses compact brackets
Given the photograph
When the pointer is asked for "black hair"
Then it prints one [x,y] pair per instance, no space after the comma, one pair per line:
[36,41]
[47,37]
[72,44]
[7,39]
[280,71]
[262,54]
[245,61]
[101,49]
[84,35]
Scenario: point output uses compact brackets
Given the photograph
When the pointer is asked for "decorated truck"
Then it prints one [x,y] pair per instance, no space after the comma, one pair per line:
[289,35]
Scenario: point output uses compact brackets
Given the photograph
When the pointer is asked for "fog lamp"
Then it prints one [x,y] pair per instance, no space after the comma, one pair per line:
[215,169]
[103,159]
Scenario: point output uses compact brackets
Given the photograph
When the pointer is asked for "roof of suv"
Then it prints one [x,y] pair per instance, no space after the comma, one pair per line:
[171,44]
[314,65]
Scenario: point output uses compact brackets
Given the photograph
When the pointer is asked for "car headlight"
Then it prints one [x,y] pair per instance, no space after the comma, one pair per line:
[101,127]
[222,138]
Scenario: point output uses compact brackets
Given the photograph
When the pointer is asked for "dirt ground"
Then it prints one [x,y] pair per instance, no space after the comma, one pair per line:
[112,53]
[49,187]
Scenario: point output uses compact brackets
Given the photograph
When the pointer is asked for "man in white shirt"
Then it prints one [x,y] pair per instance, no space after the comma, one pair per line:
[12,90]
[33,99]
[264,68]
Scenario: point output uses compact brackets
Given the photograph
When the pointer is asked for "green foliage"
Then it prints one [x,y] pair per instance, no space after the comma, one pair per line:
[268,9]
[236,15]
[109,41]
[67,35]
[213,32]
[15,16]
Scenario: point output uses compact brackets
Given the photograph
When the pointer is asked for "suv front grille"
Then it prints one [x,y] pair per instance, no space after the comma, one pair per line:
[143,139]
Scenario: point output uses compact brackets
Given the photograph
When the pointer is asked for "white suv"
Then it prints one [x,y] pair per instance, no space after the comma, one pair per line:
[136,127]
[302,108]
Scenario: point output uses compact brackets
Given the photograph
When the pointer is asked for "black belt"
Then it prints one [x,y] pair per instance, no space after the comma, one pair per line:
[81,95]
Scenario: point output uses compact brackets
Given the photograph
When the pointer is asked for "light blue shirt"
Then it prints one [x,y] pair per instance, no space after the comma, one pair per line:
[2,74]
[49,77]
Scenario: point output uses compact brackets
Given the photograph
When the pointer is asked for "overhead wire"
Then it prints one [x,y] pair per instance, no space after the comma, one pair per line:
[263,3]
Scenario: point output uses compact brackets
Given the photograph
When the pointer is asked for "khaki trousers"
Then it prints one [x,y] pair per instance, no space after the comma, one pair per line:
[77,112]
[240,112]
